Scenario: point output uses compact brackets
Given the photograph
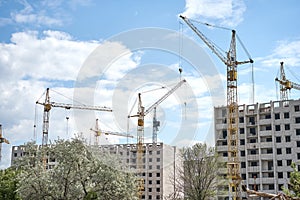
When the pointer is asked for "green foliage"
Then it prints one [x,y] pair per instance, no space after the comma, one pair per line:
[294,185]
[198,178]
[80,173]
[8,184]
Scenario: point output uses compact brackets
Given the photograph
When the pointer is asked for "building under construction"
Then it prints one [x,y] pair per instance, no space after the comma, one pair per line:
[269,142]
[159,161]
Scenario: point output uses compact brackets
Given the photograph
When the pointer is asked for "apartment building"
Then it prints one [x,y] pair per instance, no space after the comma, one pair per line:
[269,142]
[159,162]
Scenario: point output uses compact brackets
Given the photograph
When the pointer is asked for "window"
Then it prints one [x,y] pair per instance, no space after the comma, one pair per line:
[269,139]
[150,159]
[287,138]
[157,174]
[150,166]
[298,143]
[252,140]
[288,162]
[279,151]
[157,197]
[297,108]
[286,127]
[242,130]
[288,150]
[157,189]
[243,165]
[280,186]
[243,153]
[224,134]
[277,116]
[298,156]
[158,152]
[268,127]
[157,166]
[286,115]
[252,131]
[253,152]
[269,151]
[244,176]
[278,139]
[150,174]
[150,182]
[242,142]
[252,120]
[297,131]
[157,182]
[225,154]
[277,127]
[253,164]
[150,152]
[271,186]
[297,120]
[241,120]
[158,159]
[288,174]
[150,197]
[150,189]
[279,163]
[268,116]
[15,154]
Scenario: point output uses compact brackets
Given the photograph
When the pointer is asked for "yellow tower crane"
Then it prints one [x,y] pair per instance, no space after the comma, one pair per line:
[230,60]
[141,113]
[285,84]
[98,132]
[48,105]
[2,140]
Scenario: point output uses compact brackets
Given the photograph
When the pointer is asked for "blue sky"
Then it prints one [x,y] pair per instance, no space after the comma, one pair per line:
[50,43]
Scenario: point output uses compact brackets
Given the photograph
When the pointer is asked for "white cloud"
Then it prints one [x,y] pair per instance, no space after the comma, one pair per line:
[227,12]
[33,61]
[285,50]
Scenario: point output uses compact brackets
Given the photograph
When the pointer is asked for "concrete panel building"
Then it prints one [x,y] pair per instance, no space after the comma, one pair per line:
[159,165]
[269,142]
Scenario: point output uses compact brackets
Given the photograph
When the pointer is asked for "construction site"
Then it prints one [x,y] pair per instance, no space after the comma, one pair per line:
[258,141]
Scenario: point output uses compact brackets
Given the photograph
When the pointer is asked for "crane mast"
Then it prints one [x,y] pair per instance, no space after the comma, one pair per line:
[230,60]
[48,105]
[156,124]
[285,84]
[140,130]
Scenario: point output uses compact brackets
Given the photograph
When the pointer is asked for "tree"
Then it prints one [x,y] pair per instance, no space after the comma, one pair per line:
[80,172]
[294,185]
[197,175]
[8,184]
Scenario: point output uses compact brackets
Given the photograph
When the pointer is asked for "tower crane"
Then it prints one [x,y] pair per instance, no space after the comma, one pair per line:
[98,132]
[156,124]
[48,105]
[2,140]
[285,84]
[140,129]
[230,60]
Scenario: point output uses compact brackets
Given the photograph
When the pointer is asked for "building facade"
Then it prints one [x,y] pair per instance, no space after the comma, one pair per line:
[269,142]
[158,165]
